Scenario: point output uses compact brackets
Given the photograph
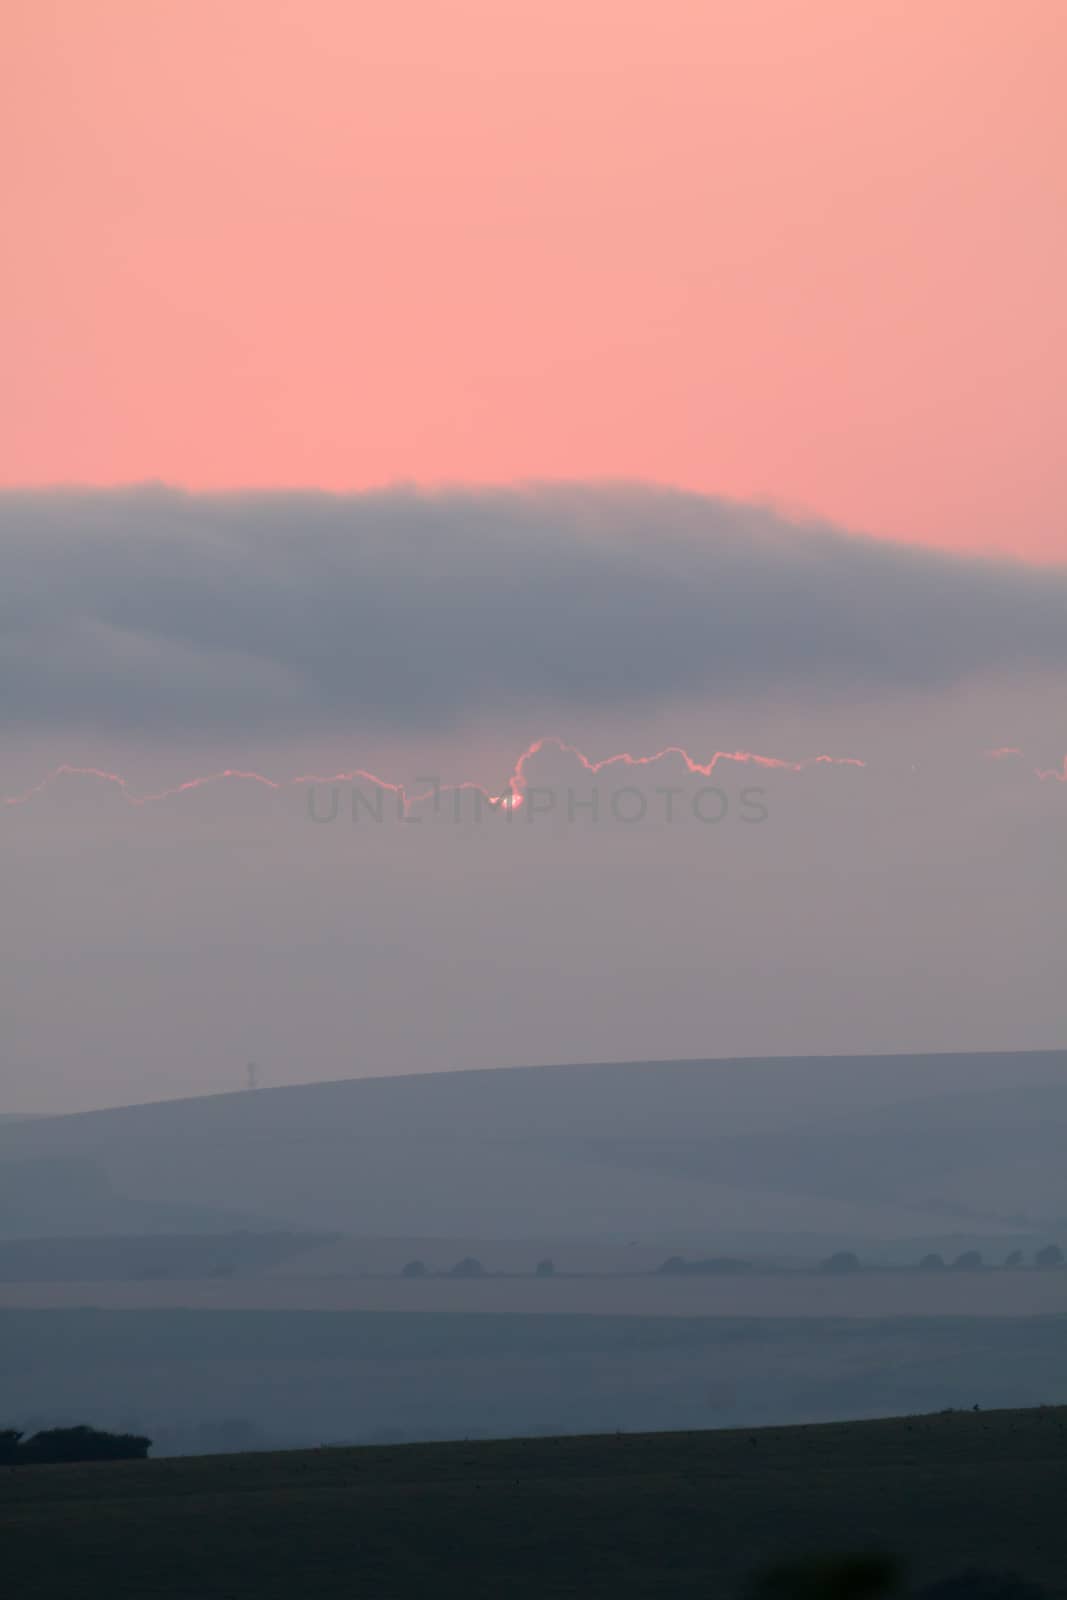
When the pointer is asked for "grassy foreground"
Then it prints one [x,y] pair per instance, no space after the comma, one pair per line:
[610,1516]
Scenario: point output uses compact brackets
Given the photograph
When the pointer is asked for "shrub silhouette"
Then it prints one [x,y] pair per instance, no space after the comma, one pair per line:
[1014,1258]
[708,1266]
[968,1261]
[933,1262]
[9,1444]
[545,1268]
[81,1443]
[1050,1256]
[469,1267]
[413,1269]
[842,1261]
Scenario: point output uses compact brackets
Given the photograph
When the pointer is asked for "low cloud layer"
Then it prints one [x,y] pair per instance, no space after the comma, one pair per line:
[149,610]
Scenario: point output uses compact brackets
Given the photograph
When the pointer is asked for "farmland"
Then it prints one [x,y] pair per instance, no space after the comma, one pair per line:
[616,1516]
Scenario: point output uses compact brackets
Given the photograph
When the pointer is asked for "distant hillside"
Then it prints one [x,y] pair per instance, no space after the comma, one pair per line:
[861,1147]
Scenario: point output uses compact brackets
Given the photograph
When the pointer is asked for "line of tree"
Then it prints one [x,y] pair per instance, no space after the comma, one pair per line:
[841,1262]
[678,1266]
[967,1261]
[80,1443]
[1050,1256]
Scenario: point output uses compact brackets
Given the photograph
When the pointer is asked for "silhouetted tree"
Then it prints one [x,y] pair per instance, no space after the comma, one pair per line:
[82,1444]
[705,1267]
[413,1269]
[1050,1256]
[469,1267]
[933,1262]
[9,1444]
[1014,1258]
[842,1261]
[546,1268]
[968,1261]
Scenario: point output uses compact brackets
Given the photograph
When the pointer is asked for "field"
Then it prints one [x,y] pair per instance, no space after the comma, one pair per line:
[614,1516]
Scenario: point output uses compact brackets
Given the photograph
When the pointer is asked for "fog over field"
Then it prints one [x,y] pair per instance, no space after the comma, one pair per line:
[197,1380]
[639,1245]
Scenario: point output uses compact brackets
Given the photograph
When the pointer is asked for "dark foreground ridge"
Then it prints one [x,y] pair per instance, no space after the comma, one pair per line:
[674,1514]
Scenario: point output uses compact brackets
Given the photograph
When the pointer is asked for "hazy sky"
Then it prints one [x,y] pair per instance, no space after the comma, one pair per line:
[863,850]
[634,375]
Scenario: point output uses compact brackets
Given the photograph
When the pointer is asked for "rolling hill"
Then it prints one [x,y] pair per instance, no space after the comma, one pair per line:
[836,1148]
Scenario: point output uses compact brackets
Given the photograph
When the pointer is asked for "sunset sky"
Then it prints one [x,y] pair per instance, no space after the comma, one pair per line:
[807,253]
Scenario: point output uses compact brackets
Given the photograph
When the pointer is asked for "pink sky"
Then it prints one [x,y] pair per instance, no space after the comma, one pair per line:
[807,251]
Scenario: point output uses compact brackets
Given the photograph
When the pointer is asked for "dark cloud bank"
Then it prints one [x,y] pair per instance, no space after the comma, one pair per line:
[149,609]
